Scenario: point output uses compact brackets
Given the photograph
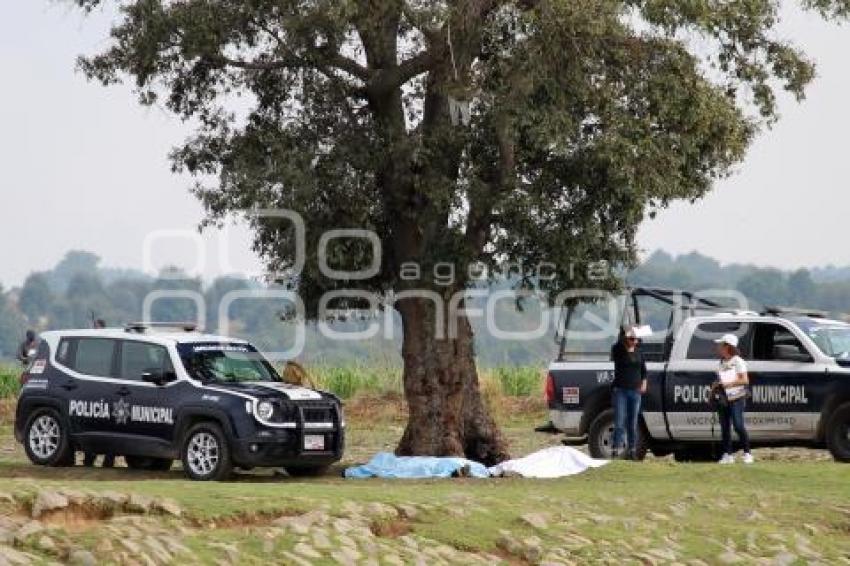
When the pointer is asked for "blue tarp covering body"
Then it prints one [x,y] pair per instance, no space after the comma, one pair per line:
[387,465]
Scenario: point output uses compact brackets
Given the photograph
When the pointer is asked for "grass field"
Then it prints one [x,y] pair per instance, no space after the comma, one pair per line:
[778,511]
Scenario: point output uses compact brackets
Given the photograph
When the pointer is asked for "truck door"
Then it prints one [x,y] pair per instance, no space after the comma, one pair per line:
[688,383]
[784,382]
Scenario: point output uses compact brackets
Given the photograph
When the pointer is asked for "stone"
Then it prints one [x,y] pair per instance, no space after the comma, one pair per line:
[295,559]
[47,501]
[381,510]
[302,524]
[306,550]
[139,503]
[342,525]
[729,557]
[29,529]
[168,507]
[320,539]
[46,543]
[663,554]
[9,555]
[784,559]
[536,520]
[113,499]
[82,557]
[408,511]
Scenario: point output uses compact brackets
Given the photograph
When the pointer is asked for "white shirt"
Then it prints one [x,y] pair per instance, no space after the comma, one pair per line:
[729,371]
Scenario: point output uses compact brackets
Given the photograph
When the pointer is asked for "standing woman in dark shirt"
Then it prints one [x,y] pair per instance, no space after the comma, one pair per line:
[628,387]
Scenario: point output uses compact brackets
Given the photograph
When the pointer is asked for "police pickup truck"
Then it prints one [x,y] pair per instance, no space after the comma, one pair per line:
[799,369]
[155,393]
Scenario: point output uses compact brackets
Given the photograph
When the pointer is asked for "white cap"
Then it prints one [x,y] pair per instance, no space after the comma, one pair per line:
[631,332]
[730,339]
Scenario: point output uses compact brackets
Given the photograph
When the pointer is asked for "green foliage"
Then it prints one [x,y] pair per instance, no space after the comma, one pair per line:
[583,117]
[519,381]
[9,381]
[348,381]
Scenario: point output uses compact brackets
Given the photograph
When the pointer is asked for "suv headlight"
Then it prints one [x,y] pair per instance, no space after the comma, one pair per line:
[265,410]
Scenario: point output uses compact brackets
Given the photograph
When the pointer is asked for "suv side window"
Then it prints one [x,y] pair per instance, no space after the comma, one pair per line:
[94,356]
[63,353]
[774,342]
[703,347]
[139,357]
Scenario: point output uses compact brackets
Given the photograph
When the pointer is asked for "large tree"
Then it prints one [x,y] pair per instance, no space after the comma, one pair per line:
[496,131]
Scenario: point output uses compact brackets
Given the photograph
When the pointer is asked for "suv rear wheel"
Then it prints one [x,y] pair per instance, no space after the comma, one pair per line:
[600,437]
[206,454]
[838,433]
[149,464]
[46,439]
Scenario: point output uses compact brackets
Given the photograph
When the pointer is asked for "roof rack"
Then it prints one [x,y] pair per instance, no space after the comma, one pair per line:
[780,311]
[142,327]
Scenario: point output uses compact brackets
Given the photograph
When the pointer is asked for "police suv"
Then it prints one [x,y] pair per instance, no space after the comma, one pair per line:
[798,362]
[156,393]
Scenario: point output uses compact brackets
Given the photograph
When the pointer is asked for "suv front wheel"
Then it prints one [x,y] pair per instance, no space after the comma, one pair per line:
[206,454]
[46,439]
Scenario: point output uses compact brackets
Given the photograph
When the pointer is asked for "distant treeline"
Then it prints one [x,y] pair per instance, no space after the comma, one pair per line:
[825,288]
[77,289]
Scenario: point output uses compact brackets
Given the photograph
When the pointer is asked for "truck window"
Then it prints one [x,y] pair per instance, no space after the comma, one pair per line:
[774,342]
[658,315]
[702,345]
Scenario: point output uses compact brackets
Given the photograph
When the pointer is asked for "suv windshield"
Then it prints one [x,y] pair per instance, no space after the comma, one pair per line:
[833,340]
[231,363]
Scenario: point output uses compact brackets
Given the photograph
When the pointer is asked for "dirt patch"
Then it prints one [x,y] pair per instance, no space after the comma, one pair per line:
[369,407]
[390,528]
[75,519]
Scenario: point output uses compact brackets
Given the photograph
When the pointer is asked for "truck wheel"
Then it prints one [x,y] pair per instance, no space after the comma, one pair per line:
[148,464]
[838,434]
[206,454]
[46,439]
[306,471]
[600,437]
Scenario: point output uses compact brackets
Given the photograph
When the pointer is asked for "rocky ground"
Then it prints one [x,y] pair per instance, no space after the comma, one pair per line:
[89,527]
[792,507]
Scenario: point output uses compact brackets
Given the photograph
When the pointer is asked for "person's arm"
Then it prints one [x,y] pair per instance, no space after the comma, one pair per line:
[643,374]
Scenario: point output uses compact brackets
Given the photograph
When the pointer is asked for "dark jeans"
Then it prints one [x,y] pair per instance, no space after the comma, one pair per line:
[626,412]
[732,415]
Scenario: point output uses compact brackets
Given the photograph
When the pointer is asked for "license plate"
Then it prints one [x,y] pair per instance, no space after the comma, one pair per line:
[314,442]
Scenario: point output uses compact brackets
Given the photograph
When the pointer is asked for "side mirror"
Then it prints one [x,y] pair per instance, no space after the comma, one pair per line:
[790,353]
[157,377]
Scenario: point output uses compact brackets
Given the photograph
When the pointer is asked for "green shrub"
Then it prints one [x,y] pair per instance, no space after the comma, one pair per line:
[346,382]
[519,381]
[9,384]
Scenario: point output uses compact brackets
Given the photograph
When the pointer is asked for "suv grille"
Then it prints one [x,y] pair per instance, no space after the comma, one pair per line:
[318,415]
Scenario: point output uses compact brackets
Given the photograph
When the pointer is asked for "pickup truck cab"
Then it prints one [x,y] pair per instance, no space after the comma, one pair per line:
[799,369]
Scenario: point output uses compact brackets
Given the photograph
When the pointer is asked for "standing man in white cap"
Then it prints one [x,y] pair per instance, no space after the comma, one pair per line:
[731,388]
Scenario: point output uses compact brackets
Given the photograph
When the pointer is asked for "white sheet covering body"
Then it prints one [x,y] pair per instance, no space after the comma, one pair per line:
[552,462]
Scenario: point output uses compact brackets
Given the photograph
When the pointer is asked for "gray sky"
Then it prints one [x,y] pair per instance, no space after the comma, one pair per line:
[85,167]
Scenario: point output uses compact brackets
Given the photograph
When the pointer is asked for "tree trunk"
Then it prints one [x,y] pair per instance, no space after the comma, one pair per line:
[447,414]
